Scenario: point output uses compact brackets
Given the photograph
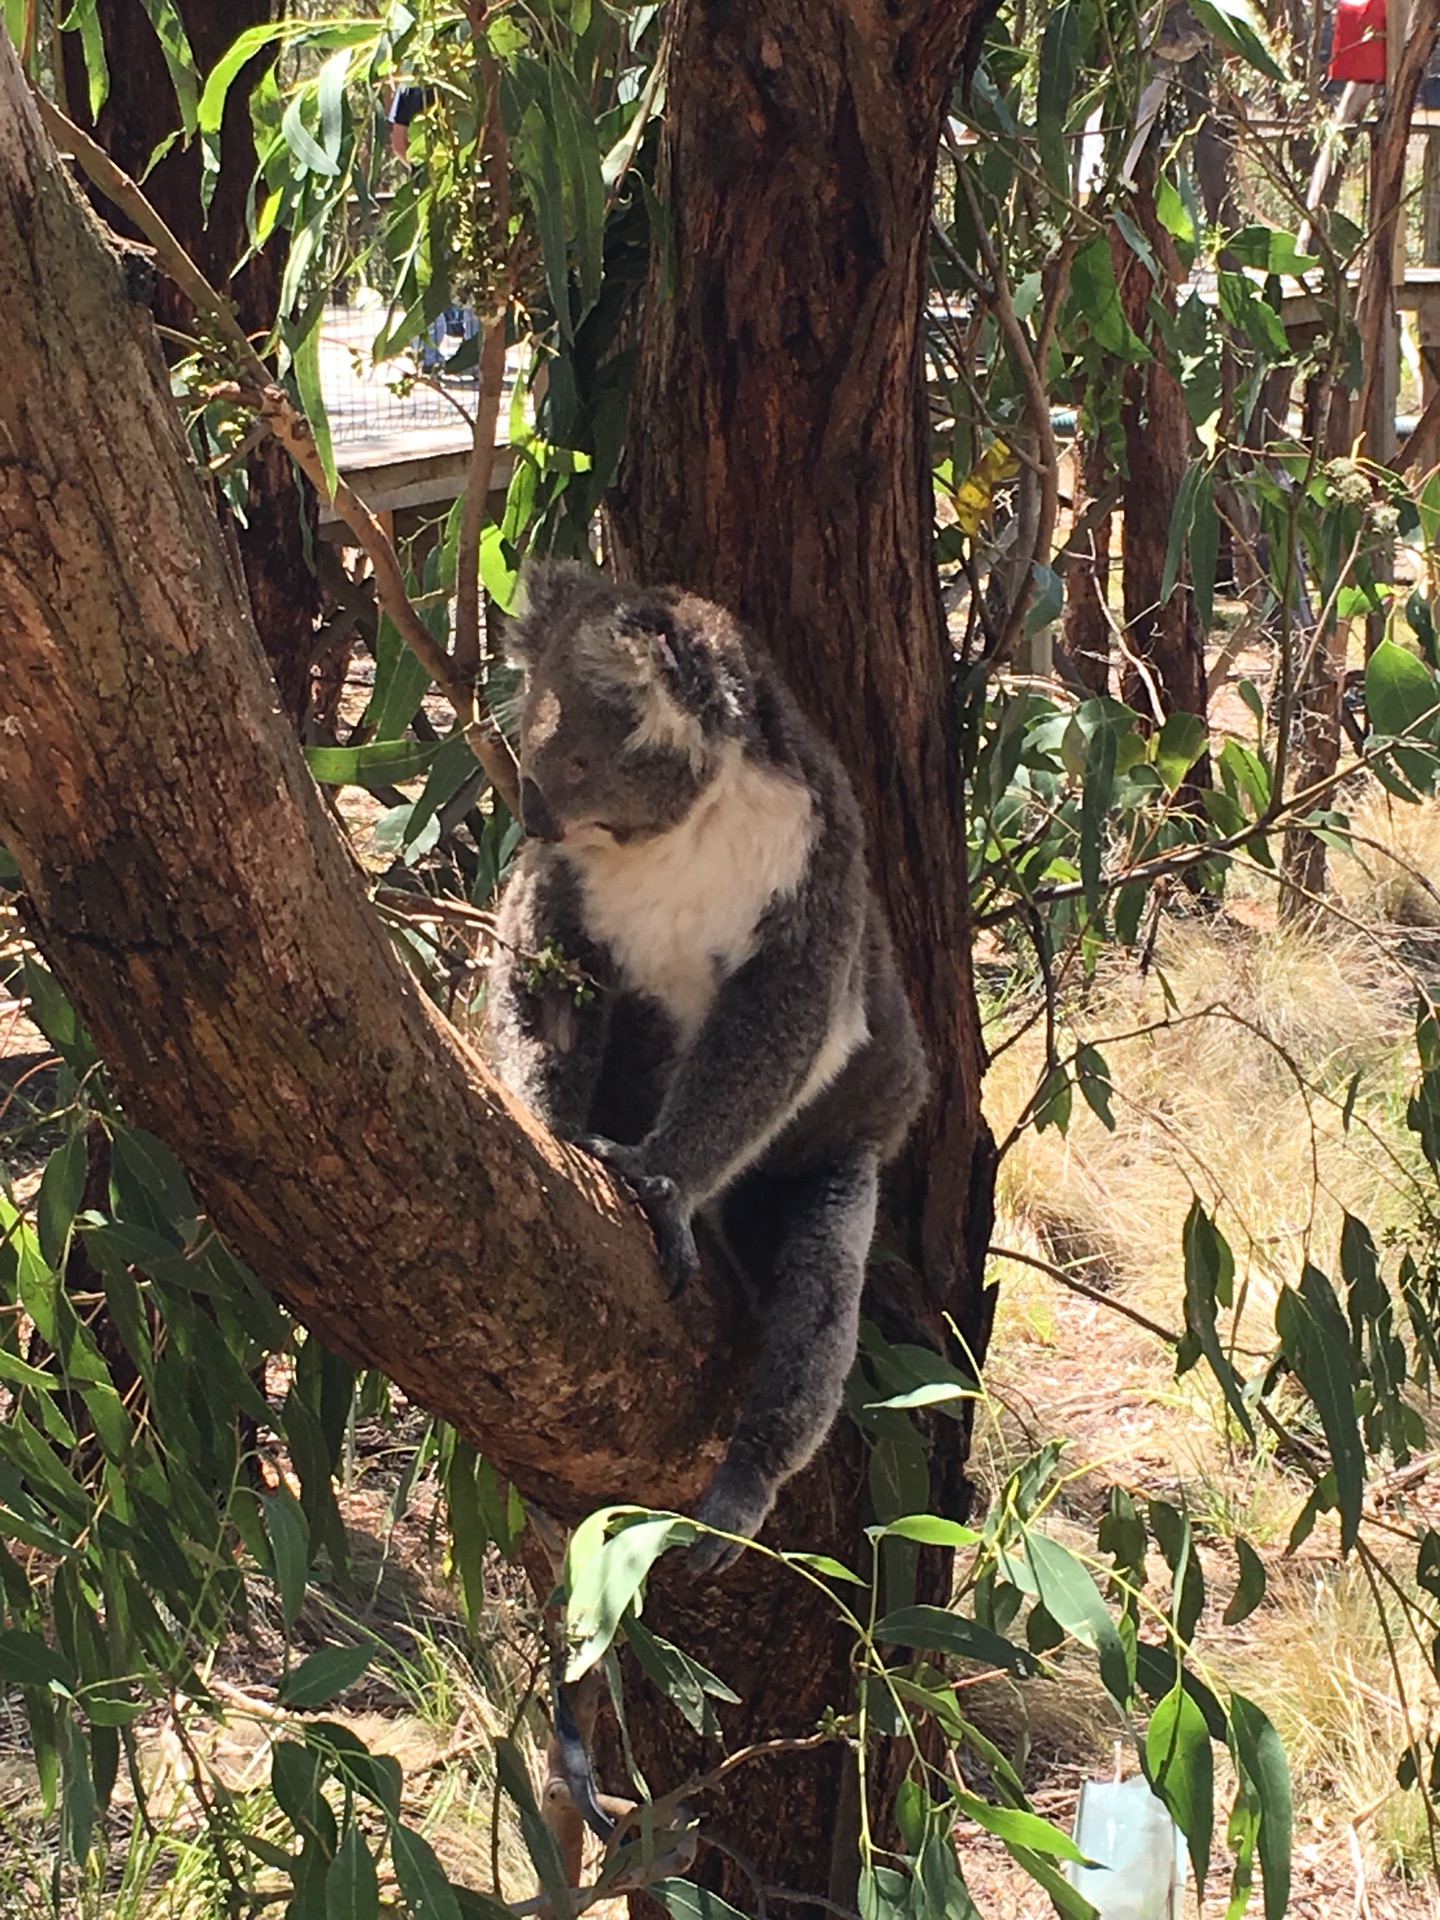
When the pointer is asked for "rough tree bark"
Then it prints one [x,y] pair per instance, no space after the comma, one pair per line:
[778,461]
[138,115]
[195,901]
[1166,666]
[778,458]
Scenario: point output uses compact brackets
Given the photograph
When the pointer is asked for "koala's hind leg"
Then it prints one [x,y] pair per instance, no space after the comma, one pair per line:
[804,1239]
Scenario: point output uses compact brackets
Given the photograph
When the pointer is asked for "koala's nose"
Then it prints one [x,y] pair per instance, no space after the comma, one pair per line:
[535,815]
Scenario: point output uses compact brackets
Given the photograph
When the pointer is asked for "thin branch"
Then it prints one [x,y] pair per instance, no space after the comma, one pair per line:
[1368,1563]
[489,746]
[1279,816]
[475,510]
[757,1750]
[810,1900]
[1167,1334]
[1037,402]
[443,912]
[496,151]
[1414,443]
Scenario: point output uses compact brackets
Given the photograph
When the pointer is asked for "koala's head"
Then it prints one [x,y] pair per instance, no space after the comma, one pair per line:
[627,704]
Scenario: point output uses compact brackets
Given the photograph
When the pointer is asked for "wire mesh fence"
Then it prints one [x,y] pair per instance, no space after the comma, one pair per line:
[412,395]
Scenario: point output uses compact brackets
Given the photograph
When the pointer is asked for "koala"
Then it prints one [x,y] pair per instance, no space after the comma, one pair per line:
[747,1054]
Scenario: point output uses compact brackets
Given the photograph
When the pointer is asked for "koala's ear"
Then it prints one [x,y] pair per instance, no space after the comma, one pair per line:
[550,591]
[676,653]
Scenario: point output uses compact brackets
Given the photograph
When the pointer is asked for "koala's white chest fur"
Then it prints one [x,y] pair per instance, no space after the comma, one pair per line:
[679,912]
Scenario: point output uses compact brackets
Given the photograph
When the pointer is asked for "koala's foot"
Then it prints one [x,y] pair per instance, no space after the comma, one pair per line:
[736,1501]
[659,1201]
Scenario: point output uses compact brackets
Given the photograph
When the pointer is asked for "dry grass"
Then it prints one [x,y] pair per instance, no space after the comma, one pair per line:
[1393,876]
[1231,1083]
[1230,1087]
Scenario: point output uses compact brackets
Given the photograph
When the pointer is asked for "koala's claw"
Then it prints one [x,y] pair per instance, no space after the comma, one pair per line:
[711,1555]
[736,1501]
[659,1201]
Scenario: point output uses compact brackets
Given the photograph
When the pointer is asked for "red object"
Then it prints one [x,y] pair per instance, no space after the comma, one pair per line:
[1357,51]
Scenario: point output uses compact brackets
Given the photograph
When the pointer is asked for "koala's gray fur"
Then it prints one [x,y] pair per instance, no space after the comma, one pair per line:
[696,849]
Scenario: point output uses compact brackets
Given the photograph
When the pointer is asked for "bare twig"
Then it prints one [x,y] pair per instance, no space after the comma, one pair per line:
[496,150]
[1167,1334]
[475,509]
[1414,443]
[421,906]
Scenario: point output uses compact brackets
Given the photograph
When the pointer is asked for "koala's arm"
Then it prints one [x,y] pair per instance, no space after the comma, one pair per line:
[547,1027]
[770,1021]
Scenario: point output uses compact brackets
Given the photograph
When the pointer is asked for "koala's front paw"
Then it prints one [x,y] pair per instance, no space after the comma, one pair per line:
[659,1201]
[736,1501]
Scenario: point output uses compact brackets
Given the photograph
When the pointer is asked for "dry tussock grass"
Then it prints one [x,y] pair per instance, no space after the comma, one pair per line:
[1393,875]
[1230,1087]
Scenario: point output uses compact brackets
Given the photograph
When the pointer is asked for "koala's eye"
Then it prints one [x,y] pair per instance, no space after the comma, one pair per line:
[577,766]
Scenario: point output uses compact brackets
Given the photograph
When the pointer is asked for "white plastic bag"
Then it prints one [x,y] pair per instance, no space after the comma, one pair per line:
[1141,1851]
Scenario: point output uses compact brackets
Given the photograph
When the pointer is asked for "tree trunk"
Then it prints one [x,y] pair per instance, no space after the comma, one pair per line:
[139,114]
[1166,668]
[778,461]
[1315,744]
[1315,732]
[200,909]
[1375,297]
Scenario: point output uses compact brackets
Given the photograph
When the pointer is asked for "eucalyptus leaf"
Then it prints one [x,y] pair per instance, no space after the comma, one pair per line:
[686,1901]
[1066,1589]
[306,360]
[1401,694]
[929,1529]
[1020,1828]
[1209,1277]
[26,1661]
[289,1534]
[61,1186]
[540,1842]
[1181,1769]
[323,1675]
[605,1584]
[1238,28]
[683,1680]
[1250,1590]
[1259,1751]
[1317,1345]
[936,1630]
[423,1881]
[352,1885]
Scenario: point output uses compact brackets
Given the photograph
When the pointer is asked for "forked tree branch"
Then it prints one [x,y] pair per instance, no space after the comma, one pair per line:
[211,929]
